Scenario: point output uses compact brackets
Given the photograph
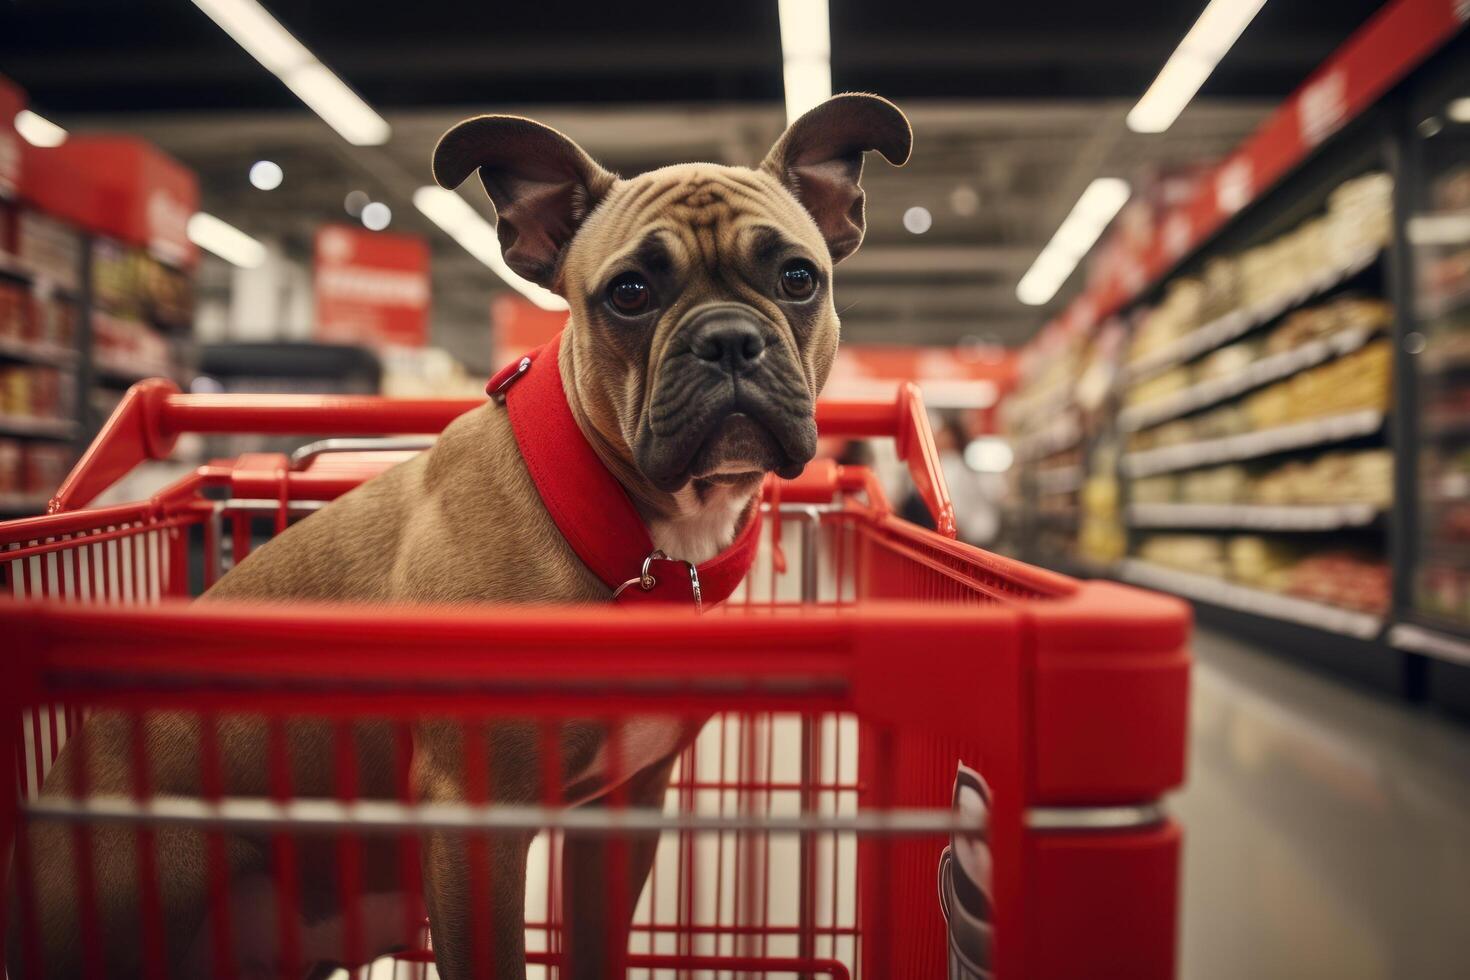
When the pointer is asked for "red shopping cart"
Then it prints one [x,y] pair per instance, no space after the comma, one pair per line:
[891,710]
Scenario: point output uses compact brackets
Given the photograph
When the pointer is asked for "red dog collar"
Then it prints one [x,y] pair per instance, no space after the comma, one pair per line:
[590,507]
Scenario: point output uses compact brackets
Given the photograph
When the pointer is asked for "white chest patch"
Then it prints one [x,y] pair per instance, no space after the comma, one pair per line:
[704,529]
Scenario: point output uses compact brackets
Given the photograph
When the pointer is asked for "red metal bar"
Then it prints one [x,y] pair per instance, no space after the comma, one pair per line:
[154,943]
[154,413]
[750,964]
[349,846]
[285,866]
[90,922]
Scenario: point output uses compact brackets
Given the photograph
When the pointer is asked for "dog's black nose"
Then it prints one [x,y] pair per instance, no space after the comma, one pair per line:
[733,341]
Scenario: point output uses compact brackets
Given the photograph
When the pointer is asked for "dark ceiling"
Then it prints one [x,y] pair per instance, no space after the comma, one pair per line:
[1015,105]
[148,55]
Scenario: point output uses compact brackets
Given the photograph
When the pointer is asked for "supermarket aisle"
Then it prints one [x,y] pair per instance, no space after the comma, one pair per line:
[1327,832]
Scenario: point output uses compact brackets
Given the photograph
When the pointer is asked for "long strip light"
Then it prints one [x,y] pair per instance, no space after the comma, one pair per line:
[806,55]
[288,59]
[37,130]
[1191,63]
[459,221]
[1089,217]
[225,240]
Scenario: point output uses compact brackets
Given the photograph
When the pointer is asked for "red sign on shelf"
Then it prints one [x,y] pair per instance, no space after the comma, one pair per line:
[372,288]
[12,100]
[118,186]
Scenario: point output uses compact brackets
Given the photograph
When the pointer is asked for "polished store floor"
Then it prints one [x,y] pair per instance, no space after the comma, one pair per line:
[1327,831]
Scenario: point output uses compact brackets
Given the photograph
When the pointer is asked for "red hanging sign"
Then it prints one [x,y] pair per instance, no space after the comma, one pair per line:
[372,288]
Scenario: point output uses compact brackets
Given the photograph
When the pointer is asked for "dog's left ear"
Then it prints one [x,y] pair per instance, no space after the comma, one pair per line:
[542,184]
[820,160]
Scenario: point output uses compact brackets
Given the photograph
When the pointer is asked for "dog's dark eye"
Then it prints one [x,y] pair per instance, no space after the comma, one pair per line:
[629,294]
[798,279]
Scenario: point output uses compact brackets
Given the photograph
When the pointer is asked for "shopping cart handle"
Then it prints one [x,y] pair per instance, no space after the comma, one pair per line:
[153,413]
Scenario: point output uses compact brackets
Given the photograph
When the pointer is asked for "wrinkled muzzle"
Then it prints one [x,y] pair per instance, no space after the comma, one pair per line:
[726,390]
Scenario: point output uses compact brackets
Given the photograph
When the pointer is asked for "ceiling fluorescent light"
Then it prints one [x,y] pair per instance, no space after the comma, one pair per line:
[37,130]
[1081,229]
[329,97]
[806,55]
[1212,36]
[225,240]
[475,235]
[260,34]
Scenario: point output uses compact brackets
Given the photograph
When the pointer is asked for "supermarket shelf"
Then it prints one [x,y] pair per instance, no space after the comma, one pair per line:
[1262,372]
[1063,479]
[22,505]
[127,374]
[1054,399]
[20,425]
[1447,428]
[49,354]
[1453,486]
[1249,445]
[1433,643]
[1435,307]
[1064,432]
[1241,321]
[1348,622]
[1253,517]
[13,270]
[1059,518]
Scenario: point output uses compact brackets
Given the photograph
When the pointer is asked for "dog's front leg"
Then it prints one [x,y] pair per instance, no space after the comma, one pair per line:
[594,942]
[475,881]
[477,936]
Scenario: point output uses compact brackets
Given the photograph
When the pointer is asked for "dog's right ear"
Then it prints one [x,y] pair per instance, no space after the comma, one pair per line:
[542,184]
[820,161]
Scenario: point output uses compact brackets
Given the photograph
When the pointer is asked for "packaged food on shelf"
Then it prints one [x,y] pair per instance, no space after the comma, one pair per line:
[1161,386]
[1362,476]
[1321,322]
[46,465]
[1343,578]
[1203,554]
[1262,562]
[14,311]
[1358,380]
[130,283]
[1451,190]
[1443,590]
[1162,489]
[12,467]
[51,250]
[1222,287]
[1346,579]
[1227,361]
[129,348]
[1176,315]
[1359,216]
[1102,538]
[34,391]
[1357,221]
[1215,485]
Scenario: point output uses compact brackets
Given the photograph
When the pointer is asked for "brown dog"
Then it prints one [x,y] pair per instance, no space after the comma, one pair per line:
[702,329]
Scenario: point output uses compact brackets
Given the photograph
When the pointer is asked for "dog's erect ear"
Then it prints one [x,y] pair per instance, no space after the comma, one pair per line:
[820,160]
[542,185]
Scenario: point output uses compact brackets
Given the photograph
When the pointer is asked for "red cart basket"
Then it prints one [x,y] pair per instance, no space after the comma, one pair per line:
[917,760]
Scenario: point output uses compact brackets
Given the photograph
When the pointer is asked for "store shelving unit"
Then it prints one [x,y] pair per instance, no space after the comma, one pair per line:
[42,369]
[1313,414]
[1434,579]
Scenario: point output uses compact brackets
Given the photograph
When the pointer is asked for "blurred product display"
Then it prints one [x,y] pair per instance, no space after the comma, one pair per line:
[1286,436]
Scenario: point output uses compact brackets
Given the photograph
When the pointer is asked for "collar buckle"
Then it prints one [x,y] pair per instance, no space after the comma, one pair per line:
[646,581]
